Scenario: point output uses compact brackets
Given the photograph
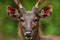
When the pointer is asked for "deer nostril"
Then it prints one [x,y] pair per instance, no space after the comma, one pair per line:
[28,34]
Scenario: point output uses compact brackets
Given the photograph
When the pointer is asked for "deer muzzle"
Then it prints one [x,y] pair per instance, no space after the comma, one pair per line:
[28,35]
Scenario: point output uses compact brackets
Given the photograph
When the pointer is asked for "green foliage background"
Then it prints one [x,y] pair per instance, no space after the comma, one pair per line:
[8,27]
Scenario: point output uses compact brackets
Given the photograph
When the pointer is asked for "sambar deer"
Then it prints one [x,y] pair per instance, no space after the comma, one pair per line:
[29,28]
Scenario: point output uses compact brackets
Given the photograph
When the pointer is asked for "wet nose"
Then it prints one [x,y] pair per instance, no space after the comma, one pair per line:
[28,34]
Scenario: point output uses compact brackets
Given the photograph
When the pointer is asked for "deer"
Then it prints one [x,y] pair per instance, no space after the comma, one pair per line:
[28,26]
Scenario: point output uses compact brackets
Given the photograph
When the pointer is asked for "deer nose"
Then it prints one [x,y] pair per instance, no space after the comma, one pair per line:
[28,34]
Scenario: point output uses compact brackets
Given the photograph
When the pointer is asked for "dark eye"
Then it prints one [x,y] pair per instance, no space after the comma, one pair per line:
[22,19]
[35,19]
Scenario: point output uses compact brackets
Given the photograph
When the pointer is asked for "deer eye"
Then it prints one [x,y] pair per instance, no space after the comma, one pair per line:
[22,19]
[35,19]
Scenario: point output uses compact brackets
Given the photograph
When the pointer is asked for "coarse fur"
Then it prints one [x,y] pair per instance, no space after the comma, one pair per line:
[29,21]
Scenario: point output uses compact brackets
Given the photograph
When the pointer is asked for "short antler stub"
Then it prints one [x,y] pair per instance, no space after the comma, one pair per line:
[18,3]
[38,3]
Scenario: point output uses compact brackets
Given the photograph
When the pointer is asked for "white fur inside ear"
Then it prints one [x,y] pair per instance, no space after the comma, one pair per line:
[42,12]
[51,8]
[16,11]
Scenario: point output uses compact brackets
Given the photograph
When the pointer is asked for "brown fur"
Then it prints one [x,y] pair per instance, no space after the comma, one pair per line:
[30,20]
[40,37]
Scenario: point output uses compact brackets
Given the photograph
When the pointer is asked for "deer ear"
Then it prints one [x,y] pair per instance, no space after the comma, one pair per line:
[12,12]
[45,12]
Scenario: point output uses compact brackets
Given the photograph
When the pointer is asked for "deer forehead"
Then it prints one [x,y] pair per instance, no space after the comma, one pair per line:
[29,16]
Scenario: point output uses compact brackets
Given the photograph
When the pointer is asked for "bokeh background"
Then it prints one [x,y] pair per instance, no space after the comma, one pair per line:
[8,27]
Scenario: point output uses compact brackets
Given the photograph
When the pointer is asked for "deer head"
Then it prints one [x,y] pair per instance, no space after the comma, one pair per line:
[28,20]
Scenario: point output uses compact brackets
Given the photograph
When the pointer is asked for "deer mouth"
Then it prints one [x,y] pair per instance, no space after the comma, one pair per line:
[28,35]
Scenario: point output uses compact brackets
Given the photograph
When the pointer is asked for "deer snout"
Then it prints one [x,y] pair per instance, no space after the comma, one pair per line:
[28,34]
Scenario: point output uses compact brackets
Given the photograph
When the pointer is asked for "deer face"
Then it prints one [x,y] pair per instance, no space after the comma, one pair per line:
[29,24]
[29,21]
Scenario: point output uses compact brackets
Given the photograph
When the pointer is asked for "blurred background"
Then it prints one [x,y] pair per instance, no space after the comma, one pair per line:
[8,27]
